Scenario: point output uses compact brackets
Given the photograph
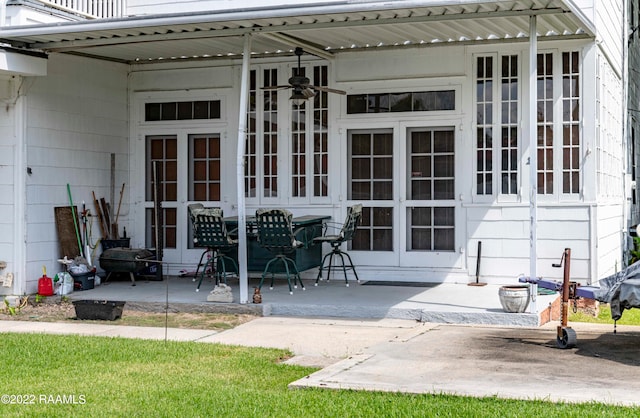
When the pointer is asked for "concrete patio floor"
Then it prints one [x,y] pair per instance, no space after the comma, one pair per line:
[436,303]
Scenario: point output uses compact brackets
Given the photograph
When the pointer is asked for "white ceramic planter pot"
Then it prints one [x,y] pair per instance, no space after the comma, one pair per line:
[514,298]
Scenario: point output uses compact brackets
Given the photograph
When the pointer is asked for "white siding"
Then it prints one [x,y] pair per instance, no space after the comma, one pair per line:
[609,240]
[611,30]
[76,118]
[610,169]
[7,174]
[504,233]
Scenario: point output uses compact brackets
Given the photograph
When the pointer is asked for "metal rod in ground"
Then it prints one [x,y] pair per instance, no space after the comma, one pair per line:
[477,282]
[158,218]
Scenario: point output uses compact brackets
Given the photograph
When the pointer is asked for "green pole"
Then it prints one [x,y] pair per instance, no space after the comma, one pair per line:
[75,221]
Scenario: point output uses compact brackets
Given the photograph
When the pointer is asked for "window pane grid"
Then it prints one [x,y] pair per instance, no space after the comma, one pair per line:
[375,232]
[431,165]
[250,177]
[484,122]
[298,148]
[204,167]
[371,166]
[545,123]
[509,125]
[432,229]
[169,228]
[419,101]
[570,122]
[320,133]
[164,150]
[154,112]
[270,135]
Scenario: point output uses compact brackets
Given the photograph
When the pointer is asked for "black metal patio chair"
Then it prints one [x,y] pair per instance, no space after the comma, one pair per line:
[275,233]
[210,231]
[347,232]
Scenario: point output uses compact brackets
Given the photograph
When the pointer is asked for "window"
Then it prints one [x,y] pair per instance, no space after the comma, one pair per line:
[203,109]
[250,168]
[421,101]
[298,147]
[321,133]
[270,134]
[509,124]
[570,122]
[484,126]
[305,151]
[497,116]
[567,145]
[545,123]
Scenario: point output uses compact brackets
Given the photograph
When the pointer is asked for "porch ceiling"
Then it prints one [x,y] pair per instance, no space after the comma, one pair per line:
[322,30]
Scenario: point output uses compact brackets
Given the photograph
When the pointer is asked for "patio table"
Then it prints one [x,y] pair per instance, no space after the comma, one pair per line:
[307,227]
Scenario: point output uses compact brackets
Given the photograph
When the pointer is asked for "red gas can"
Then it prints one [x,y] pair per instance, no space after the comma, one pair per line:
[45,284]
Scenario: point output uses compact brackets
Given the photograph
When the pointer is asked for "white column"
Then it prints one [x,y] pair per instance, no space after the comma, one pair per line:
[533,157]
[19,194]
[242,217]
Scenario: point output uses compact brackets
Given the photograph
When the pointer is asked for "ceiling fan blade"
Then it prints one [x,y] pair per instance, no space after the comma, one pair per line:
[327,89]
[275,87]
[308,92]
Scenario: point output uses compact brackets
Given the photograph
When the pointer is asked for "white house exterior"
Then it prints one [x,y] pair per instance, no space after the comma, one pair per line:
[433,136]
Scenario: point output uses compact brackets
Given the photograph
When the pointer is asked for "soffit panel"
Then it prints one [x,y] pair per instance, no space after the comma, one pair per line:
[220,35]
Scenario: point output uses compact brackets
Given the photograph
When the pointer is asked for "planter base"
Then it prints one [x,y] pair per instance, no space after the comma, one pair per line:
[98,309]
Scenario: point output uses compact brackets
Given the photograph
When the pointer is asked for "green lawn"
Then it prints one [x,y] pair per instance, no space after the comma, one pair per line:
[116,377]
[629,316]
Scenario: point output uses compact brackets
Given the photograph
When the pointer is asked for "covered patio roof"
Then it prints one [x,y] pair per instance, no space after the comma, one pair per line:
[323,29]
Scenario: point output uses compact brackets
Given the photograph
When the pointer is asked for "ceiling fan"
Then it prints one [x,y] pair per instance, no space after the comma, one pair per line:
[301,85]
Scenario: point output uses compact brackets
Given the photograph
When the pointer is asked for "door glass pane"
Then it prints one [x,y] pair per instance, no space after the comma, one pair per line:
[168,233]
[431,177]
[163,151]
[371,178]
[204,167]
[375,232]
[371,166]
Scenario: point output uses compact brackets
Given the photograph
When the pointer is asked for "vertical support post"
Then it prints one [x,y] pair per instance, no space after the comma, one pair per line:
[533,158]
[242,217]
[158,218]
[566,281]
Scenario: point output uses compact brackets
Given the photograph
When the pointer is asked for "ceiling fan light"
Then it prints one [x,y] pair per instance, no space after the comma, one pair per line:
[298,97]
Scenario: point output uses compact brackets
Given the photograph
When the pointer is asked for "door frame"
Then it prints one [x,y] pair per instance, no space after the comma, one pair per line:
[438,259]
[400,257]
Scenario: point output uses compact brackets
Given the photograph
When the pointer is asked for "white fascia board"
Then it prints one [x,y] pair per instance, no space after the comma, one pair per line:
[589,26]
[22,64]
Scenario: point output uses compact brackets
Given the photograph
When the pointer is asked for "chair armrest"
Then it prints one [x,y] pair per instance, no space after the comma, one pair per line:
[301,234]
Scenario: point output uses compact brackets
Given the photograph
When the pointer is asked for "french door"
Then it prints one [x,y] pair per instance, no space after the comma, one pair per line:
[190,169]
[405,177]
[429,211]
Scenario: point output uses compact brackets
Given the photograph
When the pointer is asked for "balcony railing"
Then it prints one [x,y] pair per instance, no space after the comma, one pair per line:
[91,9]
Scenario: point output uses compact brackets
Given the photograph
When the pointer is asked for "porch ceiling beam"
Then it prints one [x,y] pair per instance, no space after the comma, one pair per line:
[16,36]
[294,41]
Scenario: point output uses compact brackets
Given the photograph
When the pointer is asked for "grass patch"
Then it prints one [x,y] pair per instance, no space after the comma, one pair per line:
[128,377]
[212,321]
[629,316]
